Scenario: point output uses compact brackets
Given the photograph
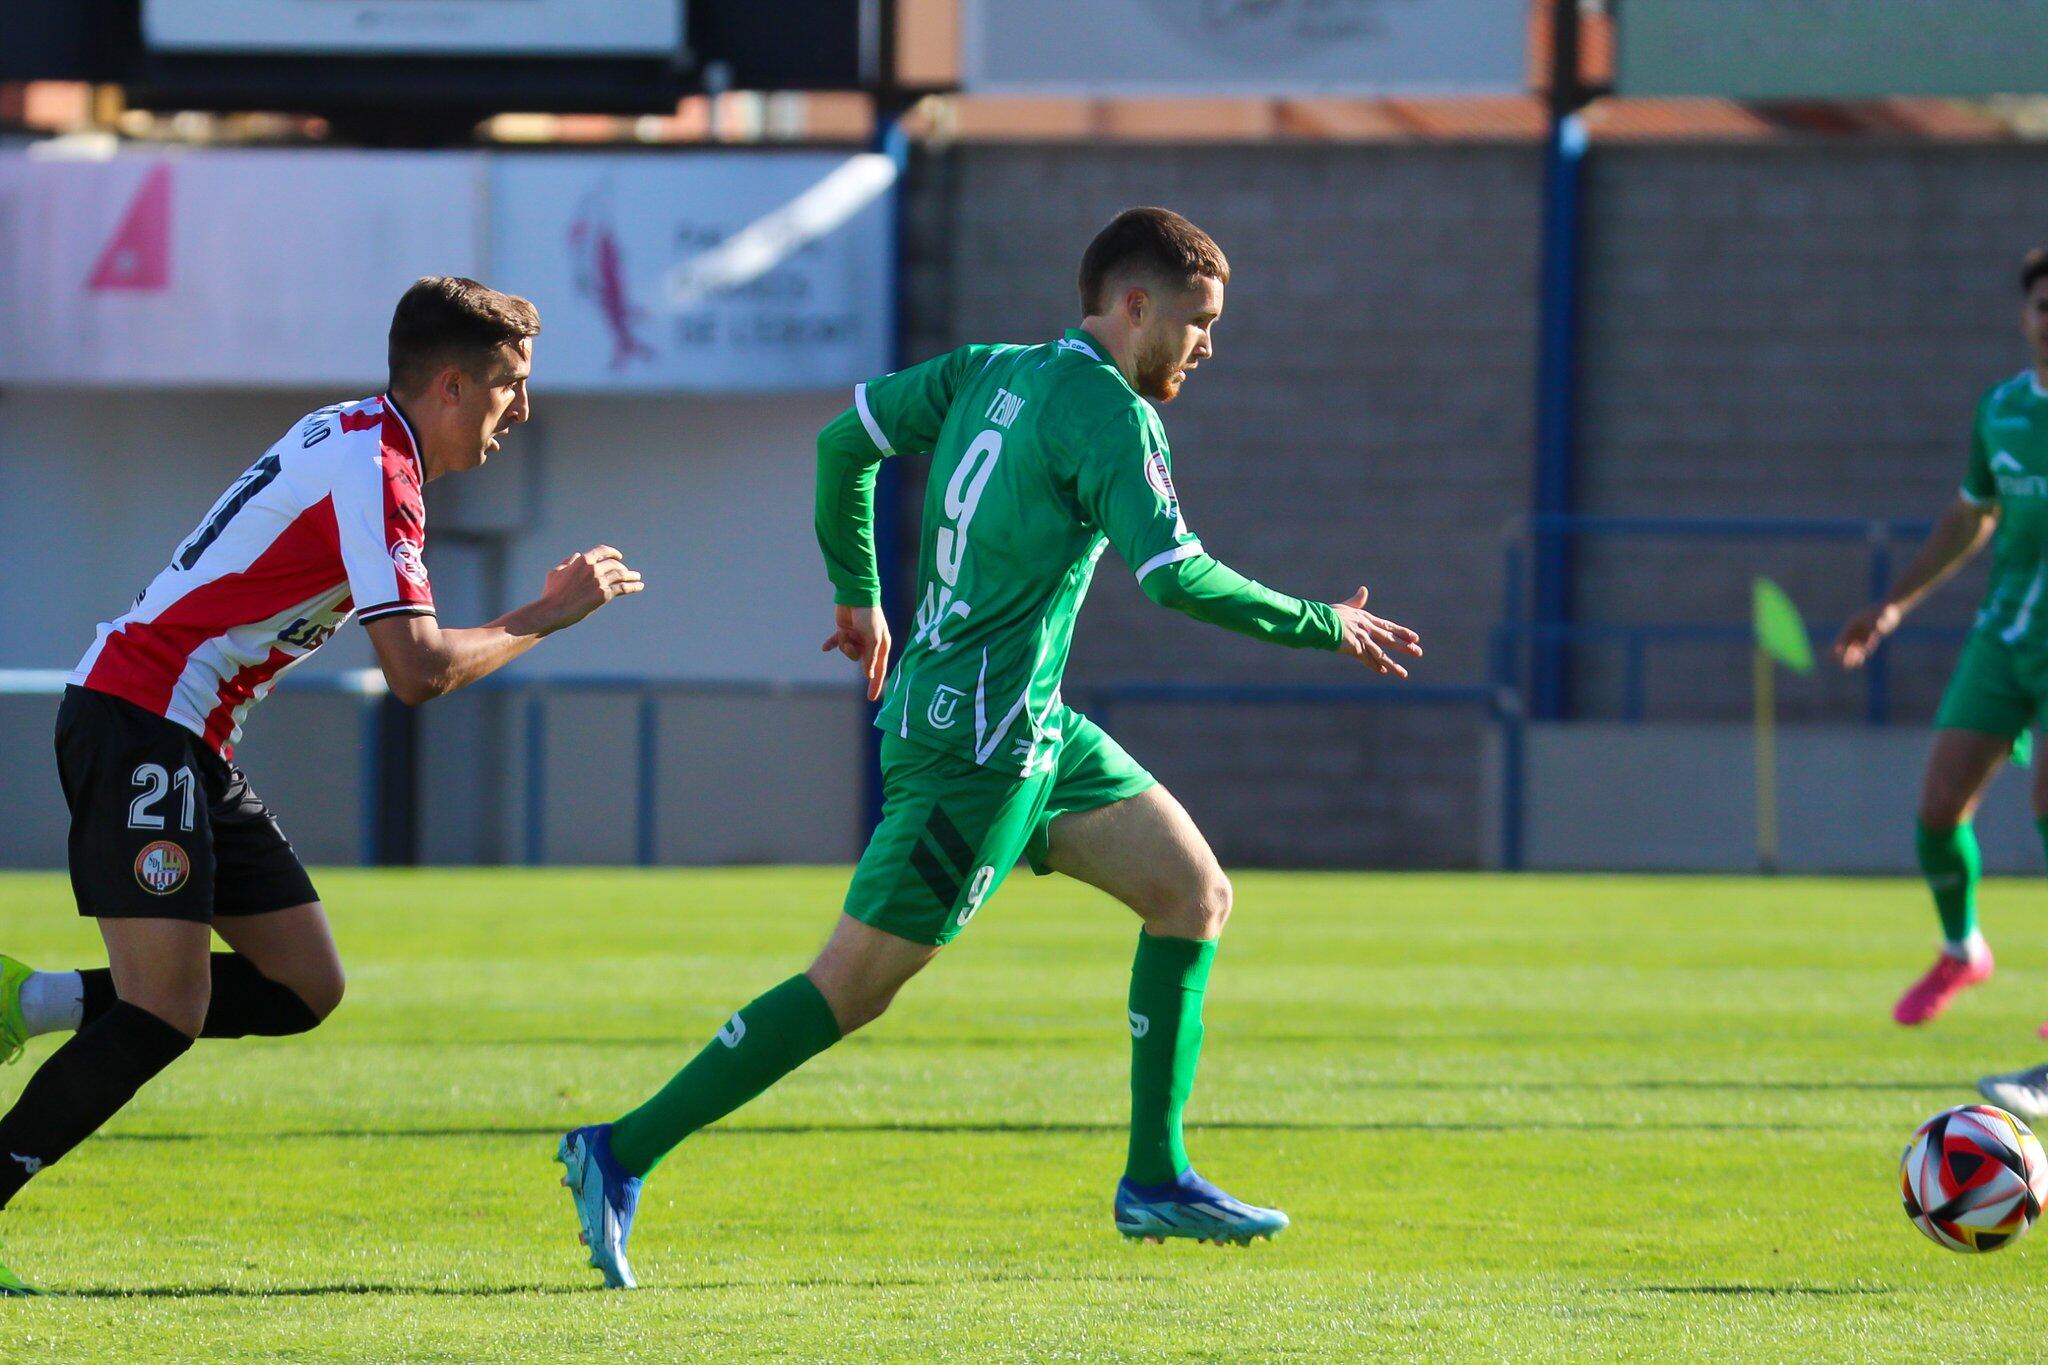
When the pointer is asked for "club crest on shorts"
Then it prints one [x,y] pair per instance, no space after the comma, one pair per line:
[162,868]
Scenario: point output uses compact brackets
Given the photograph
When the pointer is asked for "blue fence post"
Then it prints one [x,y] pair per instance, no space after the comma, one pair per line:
[892,139]
[1513,733]
[1877,695]
[1557,367]
[1514,614]
[650,777]
[371,840]
[536,776]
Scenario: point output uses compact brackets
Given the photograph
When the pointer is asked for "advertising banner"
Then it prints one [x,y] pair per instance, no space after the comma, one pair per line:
[1246,47]
[740,272]
[471,28]
[233,269]
[1832,49]
[721,272]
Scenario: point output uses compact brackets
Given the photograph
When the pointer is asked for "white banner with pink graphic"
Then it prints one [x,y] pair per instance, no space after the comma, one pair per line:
[724,271]
[228,269]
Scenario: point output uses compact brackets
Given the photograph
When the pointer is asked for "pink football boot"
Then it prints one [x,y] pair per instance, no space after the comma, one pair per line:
[1947,978]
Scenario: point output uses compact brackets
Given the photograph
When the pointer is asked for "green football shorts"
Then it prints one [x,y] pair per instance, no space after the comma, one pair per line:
[1996,689]
[951,831]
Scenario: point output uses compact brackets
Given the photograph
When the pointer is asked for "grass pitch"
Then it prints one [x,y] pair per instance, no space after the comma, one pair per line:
[1512,1117]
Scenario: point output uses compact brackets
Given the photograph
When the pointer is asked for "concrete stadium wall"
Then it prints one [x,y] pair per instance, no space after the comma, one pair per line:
[709,497]
[1789,330]
[1770,330]
[1367,419]
[1674,797]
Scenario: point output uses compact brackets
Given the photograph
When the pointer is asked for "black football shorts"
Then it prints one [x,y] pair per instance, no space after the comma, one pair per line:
[161,826]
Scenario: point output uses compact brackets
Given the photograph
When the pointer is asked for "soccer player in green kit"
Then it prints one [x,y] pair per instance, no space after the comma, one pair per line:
[2002,679]
[1040,457]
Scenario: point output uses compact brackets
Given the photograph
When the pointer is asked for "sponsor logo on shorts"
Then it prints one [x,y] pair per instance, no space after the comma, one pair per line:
[406,555]
[734,1030]
[162,868]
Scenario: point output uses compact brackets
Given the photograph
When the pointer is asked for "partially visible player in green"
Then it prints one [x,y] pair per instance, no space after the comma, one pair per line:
[1041,456]
[2002,679]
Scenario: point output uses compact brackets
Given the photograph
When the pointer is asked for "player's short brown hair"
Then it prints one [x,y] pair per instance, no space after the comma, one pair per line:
[2033,266]
[1159,241]
[446,319]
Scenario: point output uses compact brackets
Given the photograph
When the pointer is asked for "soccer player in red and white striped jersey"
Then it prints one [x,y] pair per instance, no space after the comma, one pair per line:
[169,845]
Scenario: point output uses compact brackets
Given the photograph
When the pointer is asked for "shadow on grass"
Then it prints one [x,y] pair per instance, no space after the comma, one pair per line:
[1767,1291]
[444,1291]
[970,1128]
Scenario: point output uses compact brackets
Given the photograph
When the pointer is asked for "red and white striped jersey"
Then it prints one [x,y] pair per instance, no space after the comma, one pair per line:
[329,523]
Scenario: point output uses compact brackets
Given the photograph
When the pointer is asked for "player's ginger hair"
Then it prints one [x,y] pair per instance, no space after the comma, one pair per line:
[444,318]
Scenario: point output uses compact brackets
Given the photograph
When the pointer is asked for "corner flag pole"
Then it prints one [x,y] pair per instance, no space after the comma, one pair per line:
[1763,673]
[1781,638]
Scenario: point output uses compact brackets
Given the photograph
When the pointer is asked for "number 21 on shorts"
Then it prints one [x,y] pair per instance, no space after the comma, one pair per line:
[157,784]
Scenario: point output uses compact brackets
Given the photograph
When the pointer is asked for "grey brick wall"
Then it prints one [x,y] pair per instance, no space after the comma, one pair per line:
[1784,330]
[1366,420]
[1797,330]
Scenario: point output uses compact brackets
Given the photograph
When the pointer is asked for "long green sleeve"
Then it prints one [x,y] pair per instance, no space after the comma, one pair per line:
[1218,594]
[845,510]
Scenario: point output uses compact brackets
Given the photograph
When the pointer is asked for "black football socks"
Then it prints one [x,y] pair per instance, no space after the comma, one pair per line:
[82,1085]
[245,1002]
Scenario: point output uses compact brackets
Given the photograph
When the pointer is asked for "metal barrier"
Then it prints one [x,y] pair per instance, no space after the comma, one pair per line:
[1520,629]
[646,760]
[365,683]
[1501,702]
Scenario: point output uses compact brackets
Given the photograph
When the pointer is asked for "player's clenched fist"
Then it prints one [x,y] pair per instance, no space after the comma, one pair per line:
[1374,641]
[1864,632]
[580,584]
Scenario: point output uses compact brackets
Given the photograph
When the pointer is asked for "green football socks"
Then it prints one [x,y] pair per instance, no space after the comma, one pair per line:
[1951,864]
[1168,977]
[769,1038]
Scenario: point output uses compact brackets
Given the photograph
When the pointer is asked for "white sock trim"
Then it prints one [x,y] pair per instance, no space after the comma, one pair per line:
[1970,949]
[52,1002]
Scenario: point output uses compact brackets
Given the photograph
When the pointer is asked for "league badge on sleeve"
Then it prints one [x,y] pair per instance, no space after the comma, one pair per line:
[406,555]
[1161,479]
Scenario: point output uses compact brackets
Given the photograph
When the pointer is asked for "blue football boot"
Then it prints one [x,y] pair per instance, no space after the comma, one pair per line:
[1191,1207]
[606,1198]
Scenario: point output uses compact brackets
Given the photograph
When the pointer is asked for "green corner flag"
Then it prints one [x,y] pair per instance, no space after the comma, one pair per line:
[1780,632]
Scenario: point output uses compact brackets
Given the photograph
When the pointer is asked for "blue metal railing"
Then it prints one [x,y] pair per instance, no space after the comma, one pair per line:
[536,694]
[1502,704]
[1520,629]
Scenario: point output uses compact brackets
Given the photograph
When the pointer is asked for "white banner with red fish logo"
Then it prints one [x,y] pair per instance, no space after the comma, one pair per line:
[716,271]
[728,271]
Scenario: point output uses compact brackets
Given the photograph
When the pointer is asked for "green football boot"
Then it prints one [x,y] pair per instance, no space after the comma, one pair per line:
[13,1028]
[12,1286]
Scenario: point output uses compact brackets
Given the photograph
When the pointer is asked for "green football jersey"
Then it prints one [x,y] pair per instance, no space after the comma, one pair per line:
[2009,467]
[1041,456]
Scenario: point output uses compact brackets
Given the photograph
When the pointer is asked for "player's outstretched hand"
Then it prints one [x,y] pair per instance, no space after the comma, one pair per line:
[862,633]
[1863,633]
[1373,641]
[580,584]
